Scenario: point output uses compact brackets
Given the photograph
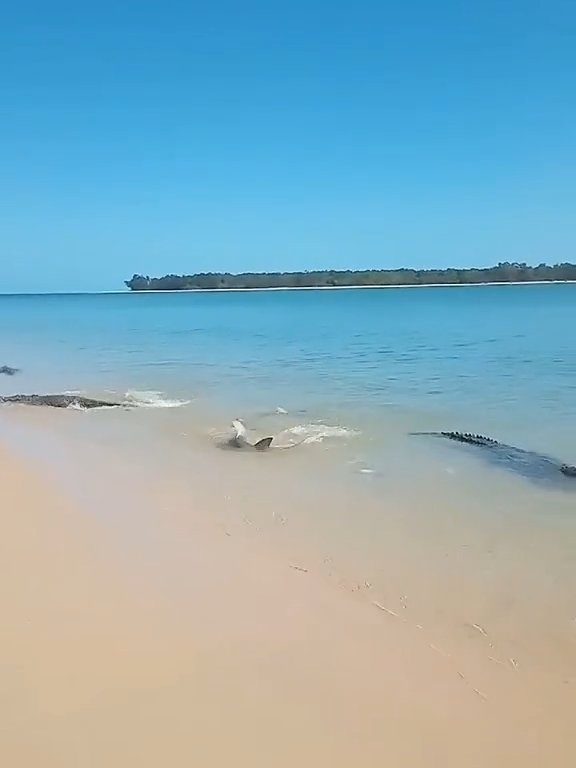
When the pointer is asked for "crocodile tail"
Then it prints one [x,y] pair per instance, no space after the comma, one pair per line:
[468,437]
[461,437]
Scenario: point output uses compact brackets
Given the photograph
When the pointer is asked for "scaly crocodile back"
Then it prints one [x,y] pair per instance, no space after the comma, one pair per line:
[467,437]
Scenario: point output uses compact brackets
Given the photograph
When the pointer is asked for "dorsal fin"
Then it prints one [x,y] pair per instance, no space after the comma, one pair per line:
[264,444]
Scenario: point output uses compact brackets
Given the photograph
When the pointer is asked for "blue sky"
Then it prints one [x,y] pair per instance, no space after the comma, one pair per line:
[171,136]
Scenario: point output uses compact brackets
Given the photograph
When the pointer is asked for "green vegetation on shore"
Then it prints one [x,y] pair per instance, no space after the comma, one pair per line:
[502,273]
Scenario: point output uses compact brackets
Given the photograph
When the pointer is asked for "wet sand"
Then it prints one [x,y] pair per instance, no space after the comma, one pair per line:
[183,641]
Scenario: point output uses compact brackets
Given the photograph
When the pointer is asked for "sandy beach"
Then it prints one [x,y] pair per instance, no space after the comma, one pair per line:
[188,643]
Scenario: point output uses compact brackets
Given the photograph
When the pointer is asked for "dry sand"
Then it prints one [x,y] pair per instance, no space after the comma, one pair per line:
[197,647]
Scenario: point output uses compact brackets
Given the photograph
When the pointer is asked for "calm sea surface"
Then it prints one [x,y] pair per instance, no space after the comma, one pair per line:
[473,357]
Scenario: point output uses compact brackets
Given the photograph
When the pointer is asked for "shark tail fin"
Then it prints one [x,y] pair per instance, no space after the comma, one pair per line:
[264,444]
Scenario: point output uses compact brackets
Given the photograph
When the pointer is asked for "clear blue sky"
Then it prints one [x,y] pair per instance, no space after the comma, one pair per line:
[169,136]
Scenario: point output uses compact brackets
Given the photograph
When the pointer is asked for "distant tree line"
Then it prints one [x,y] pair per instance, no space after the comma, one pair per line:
[505,272]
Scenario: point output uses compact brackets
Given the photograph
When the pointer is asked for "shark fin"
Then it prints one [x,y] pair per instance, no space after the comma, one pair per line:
[264,444]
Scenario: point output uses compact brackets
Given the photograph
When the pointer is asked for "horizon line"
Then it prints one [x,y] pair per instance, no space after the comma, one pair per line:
[128,291]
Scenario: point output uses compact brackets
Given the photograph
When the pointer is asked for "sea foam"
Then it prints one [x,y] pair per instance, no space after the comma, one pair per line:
[152,399]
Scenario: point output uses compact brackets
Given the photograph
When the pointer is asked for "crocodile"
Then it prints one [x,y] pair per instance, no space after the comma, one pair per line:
[530,464]
[60,401]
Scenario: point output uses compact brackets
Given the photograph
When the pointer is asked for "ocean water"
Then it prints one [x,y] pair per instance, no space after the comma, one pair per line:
[429,527]
[476,358]
[348,374]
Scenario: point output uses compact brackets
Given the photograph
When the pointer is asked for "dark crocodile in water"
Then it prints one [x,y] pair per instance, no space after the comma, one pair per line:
[534,466]
[7,370]
[61,401]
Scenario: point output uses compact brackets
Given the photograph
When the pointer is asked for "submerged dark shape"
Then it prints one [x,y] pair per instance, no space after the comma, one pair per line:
[534,466]
[7,370]
[261,445]
[59,401]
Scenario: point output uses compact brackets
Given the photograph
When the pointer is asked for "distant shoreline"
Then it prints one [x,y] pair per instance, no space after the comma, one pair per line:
[504,272]
[295,288]
[345,287]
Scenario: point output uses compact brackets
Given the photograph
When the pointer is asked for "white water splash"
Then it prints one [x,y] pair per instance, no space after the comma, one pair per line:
[77,407]
[317,433]
[152,399]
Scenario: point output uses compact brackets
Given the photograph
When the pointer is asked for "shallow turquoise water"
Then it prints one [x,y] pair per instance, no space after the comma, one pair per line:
[492,359]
